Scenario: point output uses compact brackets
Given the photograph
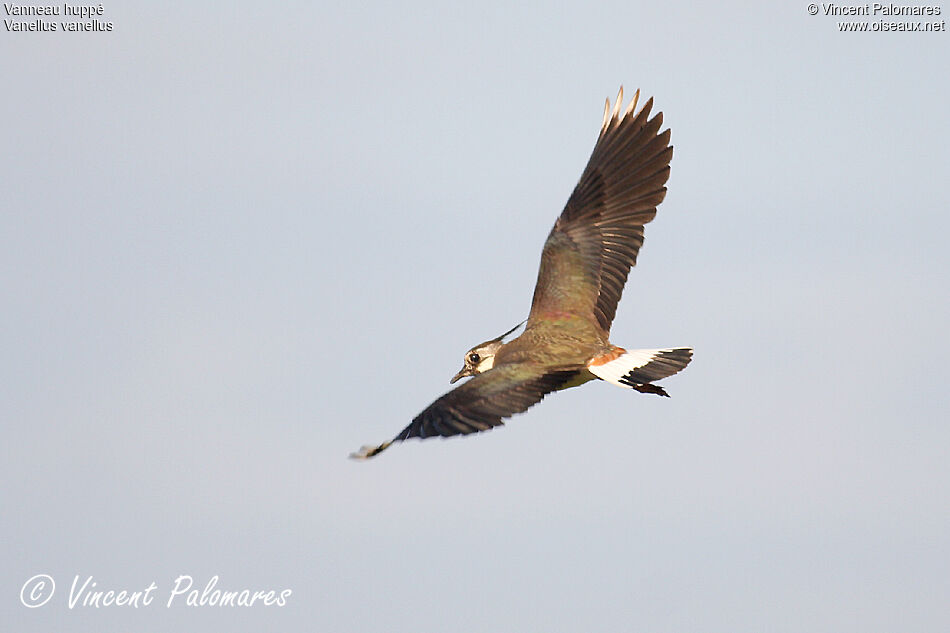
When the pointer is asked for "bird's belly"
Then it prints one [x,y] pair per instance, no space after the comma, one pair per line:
[579,379]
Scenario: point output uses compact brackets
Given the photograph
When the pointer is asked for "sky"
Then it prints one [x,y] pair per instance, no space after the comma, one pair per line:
[238,243]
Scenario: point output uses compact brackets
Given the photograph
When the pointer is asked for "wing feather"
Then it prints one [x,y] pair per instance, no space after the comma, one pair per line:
[481,403]
[595,241]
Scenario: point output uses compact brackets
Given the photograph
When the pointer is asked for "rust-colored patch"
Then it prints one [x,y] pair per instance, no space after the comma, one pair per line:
[614,353]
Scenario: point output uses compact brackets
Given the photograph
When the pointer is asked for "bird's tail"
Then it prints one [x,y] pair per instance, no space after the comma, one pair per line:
[636,369]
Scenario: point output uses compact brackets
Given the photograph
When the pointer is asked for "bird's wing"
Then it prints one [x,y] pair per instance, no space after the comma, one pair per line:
[480,404]
[595,241]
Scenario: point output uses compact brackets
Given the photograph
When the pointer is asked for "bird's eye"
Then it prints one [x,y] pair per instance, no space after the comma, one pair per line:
[473,357]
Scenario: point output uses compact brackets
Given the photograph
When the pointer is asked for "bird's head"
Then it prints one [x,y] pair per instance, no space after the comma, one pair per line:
[478,359]
[481,358]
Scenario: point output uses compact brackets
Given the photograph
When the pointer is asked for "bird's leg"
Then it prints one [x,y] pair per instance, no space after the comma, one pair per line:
[648,388]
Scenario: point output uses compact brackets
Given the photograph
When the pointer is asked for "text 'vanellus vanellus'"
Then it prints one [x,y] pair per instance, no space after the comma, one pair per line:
[584,266]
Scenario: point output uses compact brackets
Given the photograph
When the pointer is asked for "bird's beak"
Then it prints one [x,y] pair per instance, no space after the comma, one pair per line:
[462,374]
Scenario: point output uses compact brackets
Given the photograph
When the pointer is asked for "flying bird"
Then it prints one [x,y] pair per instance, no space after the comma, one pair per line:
[584,266]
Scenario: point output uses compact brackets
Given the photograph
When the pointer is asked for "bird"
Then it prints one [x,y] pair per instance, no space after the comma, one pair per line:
[585,262]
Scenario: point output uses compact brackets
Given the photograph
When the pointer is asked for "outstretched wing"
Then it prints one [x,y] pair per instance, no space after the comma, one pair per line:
[480,404]
[595,241]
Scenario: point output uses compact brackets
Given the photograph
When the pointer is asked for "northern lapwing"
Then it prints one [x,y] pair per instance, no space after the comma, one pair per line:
[584,265]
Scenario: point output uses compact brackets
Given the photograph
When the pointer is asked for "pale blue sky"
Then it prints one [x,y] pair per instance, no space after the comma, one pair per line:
[236,245]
